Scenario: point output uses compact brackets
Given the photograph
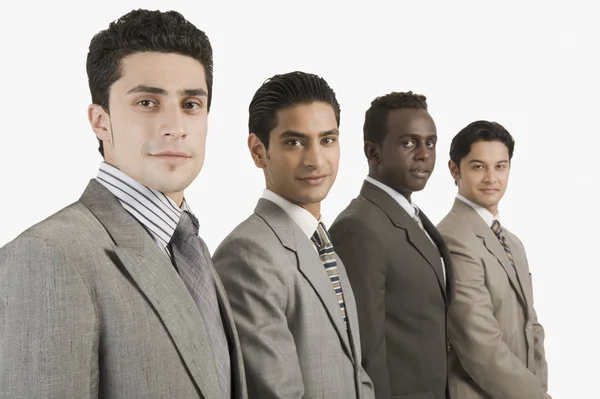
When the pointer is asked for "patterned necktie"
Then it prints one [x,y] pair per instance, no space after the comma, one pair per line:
[193,264]
[322,240]
[497,229]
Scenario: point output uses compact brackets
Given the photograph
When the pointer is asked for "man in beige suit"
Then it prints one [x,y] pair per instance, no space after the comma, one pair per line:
[115,295]
[497,339]
[292,302]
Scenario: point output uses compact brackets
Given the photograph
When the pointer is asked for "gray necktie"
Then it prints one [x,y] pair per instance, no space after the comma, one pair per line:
[193,264]
[417,218]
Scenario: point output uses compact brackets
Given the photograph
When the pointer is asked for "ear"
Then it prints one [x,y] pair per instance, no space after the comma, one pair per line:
[257,150]
[373,153]
[454,171]
[100,121]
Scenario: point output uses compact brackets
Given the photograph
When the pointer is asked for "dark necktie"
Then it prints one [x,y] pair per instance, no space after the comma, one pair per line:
[193,264]
[497,229]
[327,254]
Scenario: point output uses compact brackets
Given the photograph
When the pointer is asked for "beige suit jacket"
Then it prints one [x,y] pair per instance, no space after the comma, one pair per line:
[90,307]
[292,333]
[498,342]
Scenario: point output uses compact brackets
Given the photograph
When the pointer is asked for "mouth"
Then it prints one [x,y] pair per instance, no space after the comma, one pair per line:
[314,180]
[489,191]
[172,156]
[420,172]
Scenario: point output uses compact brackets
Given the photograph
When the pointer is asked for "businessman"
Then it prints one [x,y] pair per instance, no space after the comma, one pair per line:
[115,295]
[493,326]
[292,301]
[397,262]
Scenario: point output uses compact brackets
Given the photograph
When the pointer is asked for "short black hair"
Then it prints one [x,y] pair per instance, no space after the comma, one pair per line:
[283,91]
[375,127]
[479,131]
[140,31]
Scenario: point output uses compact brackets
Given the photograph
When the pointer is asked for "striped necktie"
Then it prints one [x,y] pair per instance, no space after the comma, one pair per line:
[497,229]
[322,240]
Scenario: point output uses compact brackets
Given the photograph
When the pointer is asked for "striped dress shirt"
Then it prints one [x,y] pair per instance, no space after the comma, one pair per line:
[157,212]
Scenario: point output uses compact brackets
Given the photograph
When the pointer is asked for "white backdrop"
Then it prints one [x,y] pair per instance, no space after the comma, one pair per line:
[531,67]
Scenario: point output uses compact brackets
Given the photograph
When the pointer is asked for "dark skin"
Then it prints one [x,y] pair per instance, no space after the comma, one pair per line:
[406,158]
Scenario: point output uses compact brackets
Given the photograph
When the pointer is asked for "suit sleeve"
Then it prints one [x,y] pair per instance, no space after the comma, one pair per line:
[256,287]
[476,335]
[48,325]
[364,259]
[541,366]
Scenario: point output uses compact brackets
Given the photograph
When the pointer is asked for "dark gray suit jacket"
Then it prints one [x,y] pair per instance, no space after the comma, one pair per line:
[291,329]
[402,299]
[91,308]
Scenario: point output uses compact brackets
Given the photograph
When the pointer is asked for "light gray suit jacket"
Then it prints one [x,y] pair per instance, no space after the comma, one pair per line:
[493,326]
[293,337]
[91,308]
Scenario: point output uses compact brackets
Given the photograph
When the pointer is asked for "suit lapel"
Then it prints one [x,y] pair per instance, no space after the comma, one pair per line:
[309,263]
[158,280]
[490,241]
[237,369]
[520,264]
[401,219]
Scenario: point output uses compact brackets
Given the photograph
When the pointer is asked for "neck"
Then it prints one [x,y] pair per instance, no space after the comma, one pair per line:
[405,193]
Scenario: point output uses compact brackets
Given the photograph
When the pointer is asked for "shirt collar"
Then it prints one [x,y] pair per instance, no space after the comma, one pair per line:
[156,211]
[407,205]
[486,215]
[303,218]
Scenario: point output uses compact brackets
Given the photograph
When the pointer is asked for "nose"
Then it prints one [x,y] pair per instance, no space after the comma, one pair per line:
[173,123]
[490,175]
[422,153]
[313,156]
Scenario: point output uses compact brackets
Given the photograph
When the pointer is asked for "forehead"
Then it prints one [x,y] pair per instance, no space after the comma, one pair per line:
[168,71]
[488,151]
[410,121]
[313,118]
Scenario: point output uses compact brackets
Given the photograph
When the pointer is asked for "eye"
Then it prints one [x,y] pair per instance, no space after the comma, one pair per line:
[501,166]
[430,144]
[192,105]
[478,167]
[293,143]
[147,103]
[329,140]
[409,144]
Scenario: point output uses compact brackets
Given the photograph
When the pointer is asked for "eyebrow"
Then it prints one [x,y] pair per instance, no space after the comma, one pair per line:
[158,90]
[416,136]
[478,161]
[294,134]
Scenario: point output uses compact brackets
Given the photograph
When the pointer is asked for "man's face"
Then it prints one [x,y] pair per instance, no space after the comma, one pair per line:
[302,161]
[155,130]
[483,174]
[407,156]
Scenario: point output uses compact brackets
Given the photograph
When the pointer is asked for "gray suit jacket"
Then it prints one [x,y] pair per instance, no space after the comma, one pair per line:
[91,308]
[291,329]
[498,341]
[396,273]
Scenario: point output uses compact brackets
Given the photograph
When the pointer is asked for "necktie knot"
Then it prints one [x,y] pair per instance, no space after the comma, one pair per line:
[321,236]
[186,228]
[497,228]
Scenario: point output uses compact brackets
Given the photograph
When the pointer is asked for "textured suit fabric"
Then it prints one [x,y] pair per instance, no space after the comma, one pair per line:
[493,325]
[291,329]
[396,273]
[90,307]
[194,266]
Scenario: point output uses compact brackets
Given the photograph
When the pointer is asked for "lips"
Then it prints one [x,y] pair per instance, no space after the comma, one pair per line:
[420,172]
[313,180]
[172,154]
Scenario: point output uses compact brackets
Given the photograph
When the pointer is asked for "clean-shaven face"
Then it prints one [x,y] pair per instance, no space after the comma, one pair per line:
[483,174]
[155,130]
